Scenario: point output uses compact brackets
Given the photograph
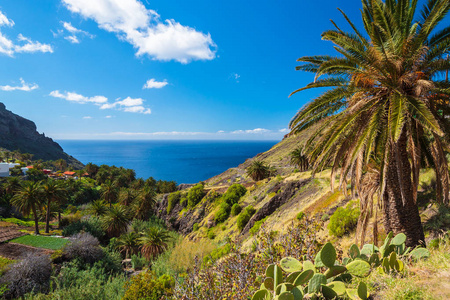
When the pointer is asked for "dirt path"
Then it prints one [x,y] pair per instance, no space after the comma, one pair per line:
[19,251]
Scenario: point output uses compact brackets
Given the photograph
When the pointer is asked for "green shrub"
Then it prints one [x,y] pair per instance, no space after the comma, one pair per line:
[173,200]
[211,235]
[235,209]
[254,230]
[300,215]
[217,254]
[343,220]
[325,217]
[195,227]
[138,262]
[195,195]
[433,244]
[212,196]
[244,217]
[146,286]
[234,193]
[91,225]
[223,213]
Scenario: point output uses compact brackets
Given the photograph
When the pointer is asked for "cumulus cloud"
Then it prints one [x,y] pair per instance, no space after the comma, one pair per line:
[131,21]
[24,44]
[71,33]
[251,131]
[74,97]
[24,87]
[153,84]
[134,105]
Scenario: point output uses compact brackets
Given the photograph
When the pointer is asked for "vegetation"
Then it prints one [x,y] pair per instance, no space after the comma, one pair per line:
[245,216]
[258,170]
[299,159]
[234,194]
[195,194]
[223,213]
[146,286]
[343,220]
[46,242]
[386,109]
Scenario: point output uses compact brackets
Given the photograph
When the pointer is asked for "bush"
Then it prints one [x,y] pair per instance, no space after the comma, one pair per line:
[138,262]
[255,229]
[244,217]
[234,193]
[70,219]
[217,254]
[173,200]
[223,213]
[91,225]
[235,209]
[212,196]
[195,227]
[146,286]
[343,220]
[195,195]
[84,247]
[211,235]
[300,215]
[30,274]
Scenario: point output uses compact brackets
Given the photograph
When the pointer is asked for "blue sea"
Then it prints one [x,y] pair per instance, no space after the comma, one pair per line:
[181,161]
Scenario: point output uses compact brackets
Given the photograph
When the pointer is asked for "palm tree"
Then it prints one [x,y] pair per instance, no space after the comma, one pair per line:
[153,242]
[387,107]
[144,202]
[61,164]
[54,192]
[299,159]
[127,196]
[11,185]
[27,198]
[91,169]
[109,192]
[97,208]
[128,243]
[258,170]
[115,220]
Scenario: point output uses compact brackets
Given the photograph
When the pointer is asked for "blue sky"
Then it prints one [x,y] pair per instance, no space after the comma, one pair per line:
[162,69]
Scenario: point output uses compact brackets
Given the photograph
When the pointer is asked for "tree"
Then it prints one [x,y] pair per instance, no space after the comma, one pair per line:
[128,243]
[61,164]
[258,170]
[97,208]
[387,108]
[144,203]
[127,196]
[115,220]
[91,169]
[54,192]
[153,242]
[27,198]
[109,192]
[299,159]
[11,185]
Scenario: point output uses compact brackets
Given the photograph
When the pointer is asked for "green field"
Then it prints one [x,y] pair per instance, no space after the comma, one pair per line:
[46,242]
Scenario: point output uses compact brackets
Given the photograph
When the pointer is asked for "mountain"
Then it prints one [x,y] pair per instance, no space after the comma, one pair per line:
[18,133]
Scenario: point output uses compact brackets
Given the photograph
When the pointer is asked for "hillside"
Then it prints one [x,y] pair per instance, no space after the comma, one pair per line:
[18,133]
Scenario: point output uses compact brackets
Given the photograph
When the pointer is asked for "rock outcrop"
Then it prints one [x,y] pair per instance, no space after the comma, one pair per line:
[18,133]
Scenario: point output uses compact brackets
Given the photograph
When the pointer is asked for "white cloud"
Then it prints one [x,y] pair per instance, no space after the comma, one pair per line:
[74,33]
[108,117]
[153,84]
[24,87]
[134,105]
[143,28]
[87,117]
[24,44]
[284,130]
[251,131]
[235,76]
[74,97]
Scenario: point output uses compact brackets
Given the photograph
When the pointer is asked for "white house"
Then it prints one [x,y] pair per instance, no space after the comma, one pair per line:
[4,169]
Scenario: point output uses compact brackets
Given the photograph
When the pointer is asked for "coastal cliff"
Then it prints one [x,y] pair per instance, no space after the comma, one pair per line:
[18,133]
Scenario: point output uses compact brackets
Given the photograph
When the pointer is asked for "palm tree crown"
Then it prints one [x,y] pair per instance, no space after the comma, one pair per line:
[27,198]
[386,109]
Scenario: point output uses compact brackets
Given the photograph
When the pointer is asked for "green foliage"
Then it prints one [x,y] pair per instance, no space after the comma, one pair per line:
[21,222]
[92,225]
[4,262]
[223,213]
[245,216]
[195,227]
[343,220]
[211,234]
[138,262]
[236,209]
[300,215]
[146,286]
[195,194]
[216,254]
[255,229]
[259,170]
[39,241]
[173,200]
[234,193]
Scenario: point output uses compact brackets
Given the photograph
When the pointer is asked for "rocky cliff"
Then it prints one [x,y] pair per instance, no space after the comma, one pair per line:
[17,133]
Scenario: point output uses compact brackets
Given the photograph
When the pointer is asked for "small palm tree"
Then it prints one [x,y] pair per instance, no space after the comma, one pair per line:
[258,170]
[109,192]
[27,199]
[128,243]
[91,169]
[54,192]
[299,159]
[127,196]
[144,203]
[154,241]
[116,220]
[11,185]
[97,208]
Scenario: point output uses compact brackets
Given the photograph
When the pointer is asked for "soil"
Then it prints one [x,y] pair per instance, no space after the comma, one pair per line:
[19,251]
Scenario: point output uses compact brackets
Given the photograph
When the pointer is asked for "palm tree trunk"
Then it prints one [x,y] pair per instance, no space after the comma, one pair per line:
[401,213]
[47,217]
[36,221]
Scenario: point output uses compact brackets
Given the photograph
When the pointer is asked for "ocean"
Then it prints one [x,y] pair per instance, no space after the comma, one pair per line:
[181,161]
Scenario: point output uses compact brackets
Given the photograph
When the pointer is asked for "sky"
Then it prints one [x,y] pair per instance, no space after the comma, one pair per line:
[162,69]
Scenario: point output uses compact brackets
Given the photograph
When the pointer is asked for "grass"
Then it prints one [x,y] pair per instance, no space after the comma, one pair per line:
[21,222]
[4,262]
[46,242]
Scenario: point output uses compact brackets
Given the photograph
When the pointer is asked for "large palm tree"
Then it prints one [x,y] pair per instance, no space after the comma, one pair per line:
[128,243]
[154,241]
[27,199]
[54,192]
[386,109]
[116,220]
